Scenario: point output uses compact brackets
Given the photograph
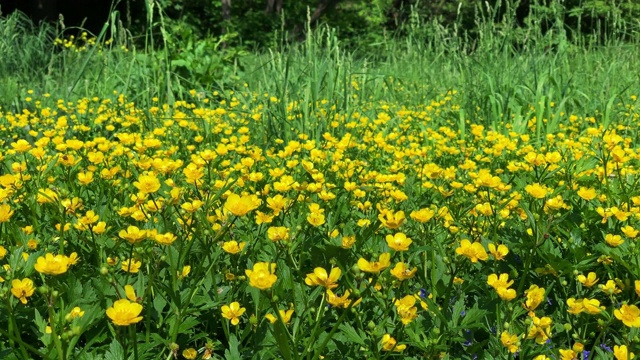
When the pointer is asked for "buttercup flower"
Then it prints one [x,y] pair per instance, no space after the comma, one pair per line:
[124,312]
[319,277]
[261,276]
[233,312]
[473,251]
[375,266]
[398,242]
[52,264]
[241,205]
[22,289]
[628,314]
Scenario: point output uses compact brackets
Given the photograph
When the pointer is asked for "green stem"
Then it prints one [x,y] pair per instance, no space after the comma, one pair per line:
[134,341]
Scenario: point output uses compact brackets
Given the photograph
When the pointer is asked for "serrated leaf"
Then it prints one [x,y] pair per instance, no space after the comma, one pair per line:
[351,334]
[115,352]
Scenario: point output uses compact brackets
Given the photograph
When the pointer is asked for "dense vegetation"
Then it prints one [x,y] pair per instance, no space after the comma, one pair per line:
[462,186]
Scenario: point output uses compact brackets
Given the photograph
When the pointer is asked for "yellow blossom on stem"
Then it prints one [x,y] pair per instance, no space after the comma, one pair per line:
[147,184]
[628,314]
[22,289]
[589,280]
[535,295]
[233,312]
[319,277]
[262,276]
[232,246]
[402,272]
[391,220]
[398,242]
[498,252]
[511,342]
[241,205]
[474,251]
[384,261]
[389,344]
[52,264]
[286,316]
[622,353]
[124,312]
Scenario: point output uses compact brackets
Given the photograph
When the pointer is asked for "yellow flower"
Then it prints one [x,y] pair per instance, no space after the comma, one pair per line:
[422,215]
[147,184]
[399,242]
[496,281]
[190,353]
[402,272]
[5,213]
[340,301]
[589,280]
[131,265]
[384,261]
[567,354]
[473,251]
[540,329]
[587,193]
[406,309]
[316,219]
[592,306]
[286,316]
[165,239]
[613,240]
[261,276]
[635,283]
[276,233]
[498,252]
[610,288]
[241,205]
[389,343]
[536,190]
[575,306]
[391,220]
[506,293]
[22,289]
[511,342]
[628,314]
[133,234]
[233,247]
[622,353]
[76,312]
[52,265]
[535,295]
[3,252]
[629,232]
[21,146]
[233,312]
[348,241]
[124,312]
[319,277]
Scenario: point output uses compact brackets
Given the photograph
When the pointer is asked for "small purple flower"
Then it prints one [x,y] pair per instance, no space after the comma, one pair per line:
[605,347]
[467,343]
[423,293]
[493,330]
[549,301]
[585,354]
[463,313]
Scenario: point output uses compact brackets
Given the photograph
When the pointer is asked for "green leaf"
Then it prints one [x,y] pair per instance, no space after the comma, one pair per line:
[232,353]
[115,352]
[352,334]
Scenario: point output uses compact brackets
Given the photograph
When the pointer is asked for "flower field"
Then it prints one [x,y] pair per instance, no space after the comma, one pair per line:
[194,230]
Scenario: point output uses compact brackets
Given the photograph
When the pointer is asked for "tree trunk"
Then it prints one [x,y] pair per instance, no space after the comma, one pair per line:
[321,9]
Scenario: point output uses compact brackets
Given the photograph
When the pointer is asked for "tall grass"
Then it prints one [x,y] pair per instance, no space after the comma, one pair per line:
[506,74]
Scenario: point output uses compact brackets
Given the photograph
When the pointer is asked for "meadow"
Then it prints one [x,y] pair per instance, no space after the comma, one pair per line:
[438,196]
